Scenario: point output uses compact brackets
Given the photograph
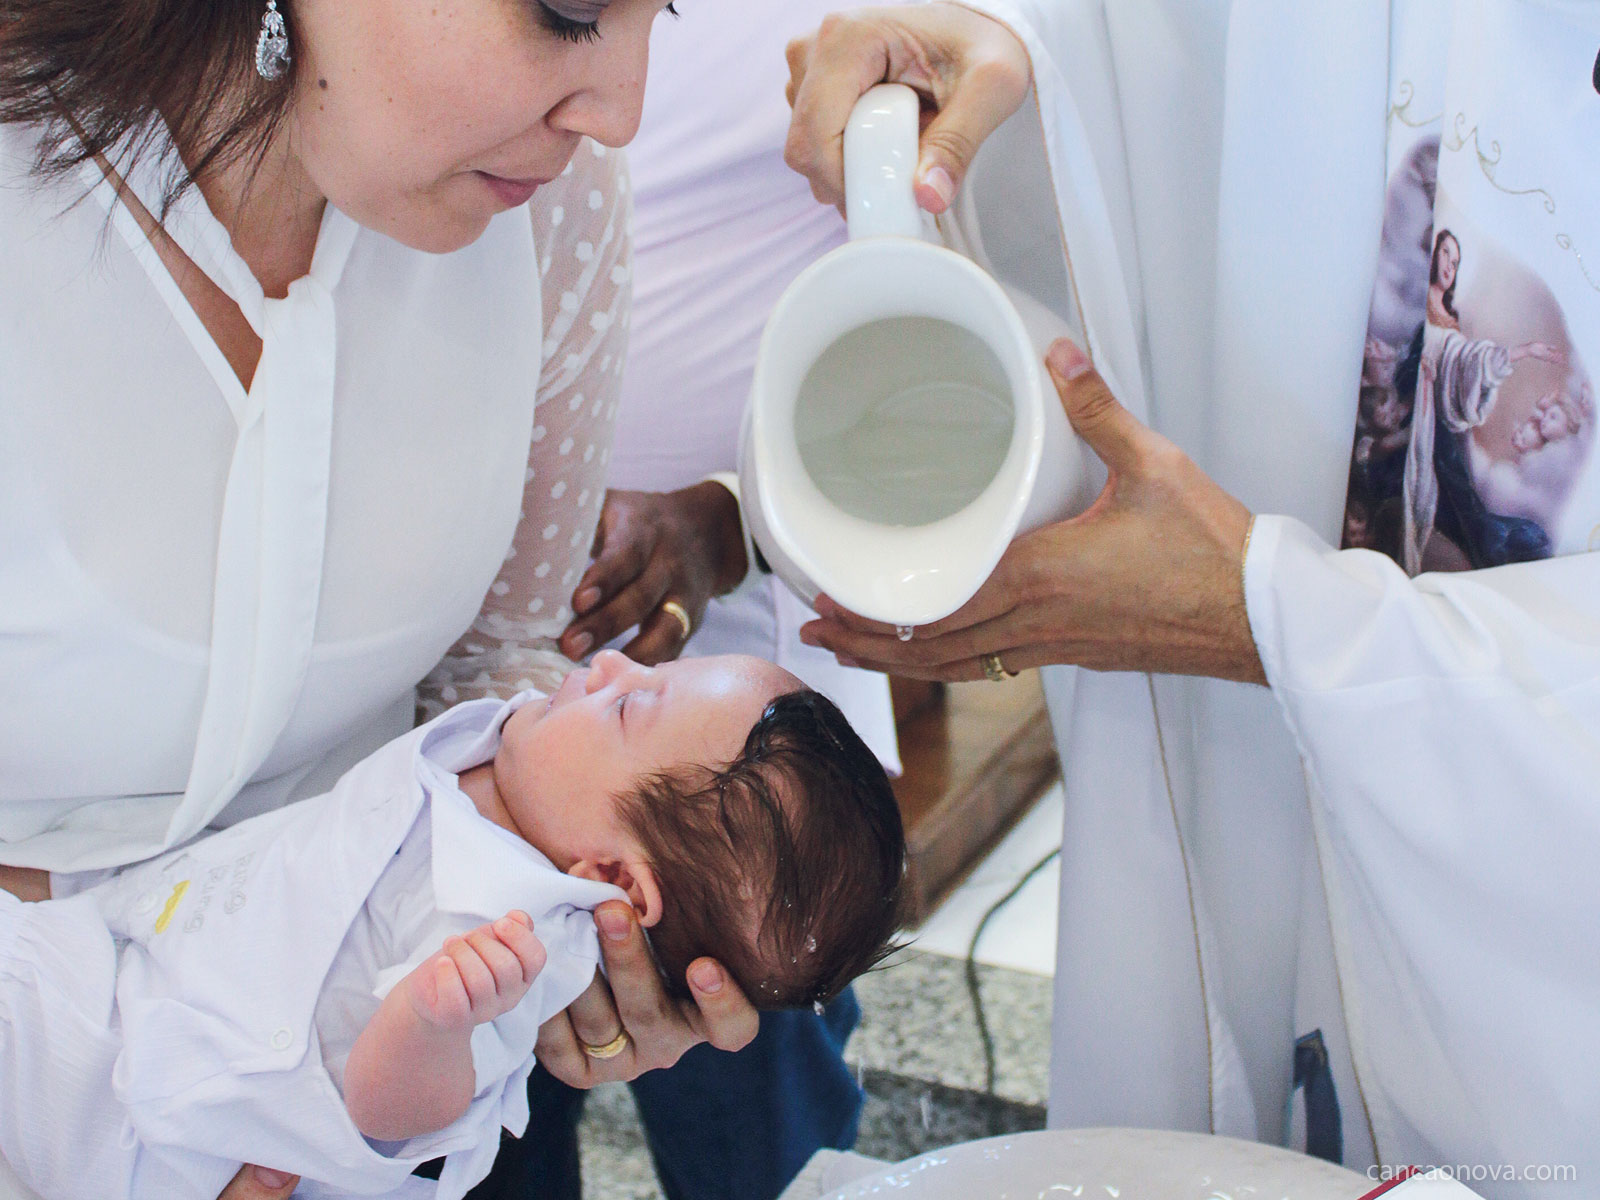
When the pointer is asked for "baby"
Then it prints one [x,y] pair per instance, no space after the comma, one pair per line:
[353,985]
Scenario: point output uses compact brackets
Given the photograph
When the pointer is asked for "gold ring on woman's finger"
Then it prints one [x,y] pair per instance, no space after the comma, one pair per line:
[609,1050]
[994,670]
[681,613]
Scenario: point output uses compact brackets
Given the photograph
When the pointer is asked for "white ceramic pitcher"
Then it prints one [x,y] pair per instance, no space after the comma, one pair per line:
[901,427]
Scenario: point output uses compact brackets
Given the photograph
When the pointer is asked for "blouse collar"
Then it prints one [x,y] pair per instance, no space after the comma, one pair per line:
[192,225]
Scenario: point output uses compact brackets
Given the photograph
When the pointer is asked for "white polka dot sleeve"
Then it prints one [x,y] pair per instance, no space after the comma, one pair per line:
[581,224]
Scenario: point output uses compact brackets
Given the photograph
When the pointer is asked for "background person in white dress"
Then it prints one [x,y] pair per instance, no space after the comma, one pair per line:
[263,448]
[1354,912]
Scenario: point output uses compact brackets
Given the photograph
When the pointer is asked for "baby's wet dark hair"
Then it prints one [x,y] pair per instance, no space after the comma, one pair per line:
[786,865]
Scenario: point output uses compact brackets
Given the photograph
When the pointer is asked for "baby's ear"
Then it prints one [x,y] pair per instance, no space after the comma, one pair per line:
[634,876]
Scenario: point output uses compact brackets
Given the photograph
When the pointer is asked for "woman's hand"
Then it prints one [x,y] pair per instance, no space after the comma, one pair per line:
[686,546]
[25,883]
[1148,579]
[972,68]
[258,1183]
[659,1028]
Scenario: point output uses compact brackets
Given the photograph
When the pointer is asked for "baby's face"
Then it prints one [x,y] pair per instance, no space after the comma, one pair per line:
[611,725]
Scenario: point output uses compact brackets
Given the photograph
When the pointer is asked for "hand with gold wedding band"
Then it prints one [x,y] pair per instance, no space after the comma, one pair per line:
[628,1005]
[659,558]
[610,1050]
[996,671]
[1148,578]
[673,608]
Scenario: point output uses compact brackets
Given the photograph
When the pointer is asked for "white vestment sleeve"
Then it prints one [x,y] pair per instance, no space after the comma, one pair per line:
[1450,727]
[1440,724]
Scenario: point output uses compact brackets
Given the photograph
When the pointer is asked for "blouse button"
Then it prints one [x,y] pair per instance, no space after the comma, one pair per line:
[147,902]
[281,1039]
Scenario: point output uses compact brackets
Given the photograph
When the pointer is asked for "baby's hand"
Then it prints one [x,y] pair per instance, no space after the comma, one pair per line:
[478,977]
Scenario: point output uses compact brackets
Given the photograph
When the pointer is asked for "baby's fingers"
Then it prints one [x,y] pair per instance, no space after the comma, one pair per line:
[507,982]
[444,995]
[515,931]
[476,975]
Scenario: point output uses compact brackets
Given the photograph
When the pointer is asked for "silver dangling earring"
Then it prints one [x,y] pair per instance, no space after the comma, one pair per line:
[272,45]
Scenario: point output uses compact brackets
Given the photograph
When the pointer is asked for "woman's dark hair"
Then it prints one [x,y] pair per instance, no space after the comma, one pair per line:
[1449,297]
[786,865]
[98,75]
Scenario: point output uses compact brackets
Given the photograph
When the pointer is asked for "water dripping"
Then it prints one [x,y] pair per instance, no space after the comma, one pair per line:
[904,632]
[816,1007]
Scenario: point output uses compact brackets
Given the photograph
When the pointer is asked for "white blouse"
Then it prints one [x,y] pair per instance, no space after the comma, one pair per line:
[214,599]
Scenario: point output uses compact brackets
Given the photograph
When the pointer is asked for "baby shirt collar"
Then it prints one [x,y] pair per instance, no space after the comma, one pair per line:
[478,866]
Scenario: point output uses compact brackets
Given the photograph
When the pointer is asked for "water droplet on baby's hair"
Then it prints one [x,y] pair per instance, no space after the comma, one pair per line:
[904,632]
[811,945]
[816,1007]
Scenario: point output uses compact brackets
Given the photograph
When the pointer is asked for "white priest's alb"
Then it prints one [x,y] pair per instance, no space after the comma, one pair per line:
[1395,847]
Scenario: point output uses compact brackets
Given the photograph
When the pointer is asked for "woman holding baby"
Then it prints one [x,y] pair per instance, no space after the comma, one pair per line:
[291,290]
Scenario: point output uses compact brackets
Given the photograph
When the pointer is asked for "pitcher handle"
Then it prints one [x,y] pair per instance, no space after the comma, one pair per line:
[880,163]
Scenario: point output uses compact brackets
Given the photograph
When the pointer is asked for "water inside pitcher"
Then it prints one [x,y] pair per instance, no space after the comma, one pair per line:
[905,420]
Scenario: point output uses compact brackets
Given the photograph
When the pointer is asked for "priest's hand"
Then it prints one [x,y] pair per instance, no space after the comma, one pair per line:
[659,558]
[971,69]
[625,1023]
[1149,578]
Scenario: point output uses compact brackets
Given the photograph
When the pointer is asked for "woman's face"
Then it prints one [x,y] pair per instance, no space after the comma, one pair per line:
[1446,260]
[424,119]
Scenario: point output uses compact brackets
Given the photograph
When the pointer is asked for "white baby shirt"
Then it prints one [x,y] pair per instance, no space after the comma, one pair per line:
[250,961]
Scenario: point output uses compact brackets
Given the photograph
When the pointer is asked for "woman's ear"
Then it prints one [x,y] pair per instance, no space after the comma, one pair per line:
[634,876]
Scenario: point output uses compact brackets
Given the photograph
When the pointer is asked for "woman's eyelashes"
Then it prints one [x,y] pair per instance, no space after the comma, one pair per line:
[566,28]
[570,30]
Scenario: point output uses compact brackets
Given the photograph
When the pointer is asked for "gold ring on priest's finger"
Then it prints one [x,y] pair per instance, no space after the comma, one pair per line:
[610,1049]
[994,670]
[681,613]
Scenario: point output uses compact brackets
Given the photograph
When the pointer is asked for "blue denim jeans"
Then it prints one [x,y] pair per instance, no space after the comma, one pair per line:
[720,1126]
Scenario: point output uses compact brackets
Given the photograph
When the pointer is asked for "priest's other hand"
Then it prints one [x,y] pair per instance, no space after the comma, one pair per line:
[651,548]
[971,69]
[1148,578]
